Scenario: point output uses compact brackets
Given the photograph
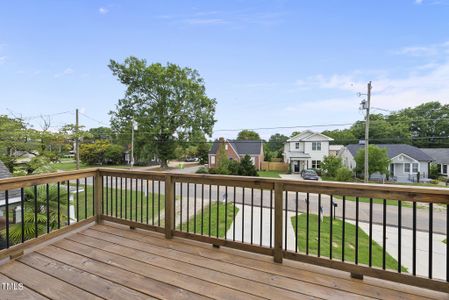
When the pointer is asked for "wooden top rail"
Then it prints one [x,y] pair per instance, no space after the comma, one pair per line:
[26,181]
[382,191]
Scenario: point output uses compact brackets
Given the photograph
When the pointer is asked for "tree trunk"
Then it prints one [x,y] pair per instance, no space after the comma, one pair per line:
[164,163]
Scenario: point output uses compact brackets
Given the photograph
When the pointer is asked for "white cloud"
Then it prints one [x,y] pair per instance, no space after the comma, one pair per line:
[2,60]
[418,2]
[103,10]
[66,72]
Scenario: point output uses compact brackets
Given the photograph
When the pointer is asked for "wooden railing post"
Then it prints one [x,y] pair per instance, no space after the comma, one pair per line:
[169,206]
[278,206]
[98,197]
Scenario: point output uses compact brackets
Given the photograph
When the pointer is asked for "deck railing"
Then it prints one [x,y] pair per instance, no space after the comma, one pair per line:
[390,232]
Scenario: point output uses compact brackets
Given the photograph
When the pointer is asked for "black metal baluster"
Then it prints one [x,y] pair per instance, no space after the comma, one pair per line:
[343,230]
[36,229]
[194,208]
[188,207]
[94,195]
[285,221]
[131,199]
[233,223]
[243,214]
[47,206]
[261,216]
[112,197]
[356,258]
[202,209]
[152,202]
[226,212]
[180,201]
[319,225]
[271,218]
[22,214]
[68,201]
[141,200]
[77,200]
[384,233]
[431,239]
[370,246]
[307,223]
[107,195]
[399,235]
[210,209]
[85,198]
[414,240]
[296,223]
[252,215]
[148,199]
[447,242]
[218,209]
[159,203]
[137,199]
[7,217]
[331,202]
[121,197]
[102,194]
[126,198]
[116,196]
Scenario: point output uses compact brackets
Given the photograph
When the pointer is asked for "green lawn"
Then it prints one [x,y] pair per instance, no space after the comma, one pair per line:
[213,220]
[110,193]
[349,249]
[273,174]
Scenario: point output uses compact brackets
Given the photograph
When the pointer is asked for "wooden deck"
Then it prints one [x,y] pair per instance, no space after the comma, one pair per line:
[111,261]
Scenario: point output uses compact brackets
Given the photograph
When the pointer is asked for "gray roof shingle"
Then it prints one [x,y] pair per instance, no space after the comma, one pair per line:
[439,155]
[394,150]
[243,147]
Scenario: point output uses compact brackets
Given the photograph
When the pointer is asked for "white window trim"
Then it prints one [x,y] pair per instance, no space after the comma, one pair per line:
[296,145]
[417,169]
[409,166]
[316,146]
[212,159]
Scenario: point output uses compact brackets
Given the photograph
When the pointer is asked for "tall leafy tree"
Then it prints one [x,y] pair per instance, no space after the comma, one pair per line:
[276,142]
[378,160]
[248,135]
[169,103]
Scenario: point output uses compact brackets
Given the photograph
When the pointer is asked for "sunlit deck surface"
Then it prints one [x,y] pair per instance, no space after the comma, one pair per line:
[112,261]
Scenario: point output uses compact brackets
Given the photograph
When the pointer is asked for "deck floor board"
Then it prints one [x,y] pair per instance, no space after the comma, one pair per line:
[111,261]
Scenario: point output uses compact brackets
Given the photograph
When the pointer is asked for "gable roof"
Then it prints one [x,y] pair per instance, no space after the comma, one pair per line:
[439,155]
[394,150]
[251,147]
[306,135]
[4,173]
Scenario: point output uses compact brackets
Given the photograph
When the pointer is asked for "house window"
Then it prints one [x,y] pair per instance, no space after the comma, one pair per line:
[415,167]
[296,145]
[226,146]
[406,168]
[316,146]
[212,159]
[444,169]
[316,164]
[253,160]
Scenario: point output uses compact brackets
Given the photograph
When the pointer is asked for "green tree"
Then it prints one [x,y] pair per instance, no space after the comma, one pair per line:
[247,167]
[222,161]
[343,174]
[169,103]
[330,165]
[294,133]
[378,160]
[276,142]
[101,133]
[203,152]
[341,137]
[248,135]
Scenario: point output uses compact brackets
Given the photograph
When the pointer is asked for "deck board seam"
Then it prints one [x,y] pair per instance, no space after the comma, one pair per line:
[234,275]
[256,269]
[64,263]
[152,234]
[175,286]
[28,287]
[189,275]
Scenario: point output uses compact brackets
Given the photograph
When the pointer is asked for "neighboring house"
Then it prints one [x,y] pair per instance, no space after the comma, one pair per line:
[236,150]
[334,149]
[406,161]
[440,156]
[306,150]
[13,198]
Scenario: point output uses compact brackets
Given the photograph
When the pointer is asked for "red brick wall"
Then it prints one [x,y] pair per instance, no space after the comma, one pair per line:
[230,152]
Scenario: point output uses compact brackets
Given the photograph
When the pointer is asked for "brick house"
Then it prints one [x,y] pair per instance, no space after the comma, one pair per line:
[237,149]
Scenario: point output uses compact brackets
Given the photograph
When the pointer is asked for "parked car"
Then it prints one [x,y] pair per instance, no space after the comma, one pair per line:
[191,159]
[306,170]
[310,175]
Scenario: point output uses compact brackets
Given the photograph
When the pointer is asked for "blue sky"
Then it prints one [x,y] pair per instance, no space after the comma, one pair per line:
[268,63]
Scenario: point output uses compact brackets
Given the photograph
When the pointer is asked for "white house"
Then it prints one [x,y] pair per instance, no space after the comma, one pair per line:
[306,150]
[406,161]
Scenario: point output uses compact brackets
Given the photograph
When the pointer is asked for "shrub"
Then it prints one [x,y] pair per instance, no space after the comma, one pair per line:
[101,152]
[343,174]
[434,171]
[113,155]
[202,170]
[330,165]
[213,171]
[233,167]
[247,167]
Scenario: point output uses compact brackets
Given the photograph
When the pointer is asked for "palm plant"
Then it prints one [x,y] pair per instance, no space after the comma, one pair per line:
[31,215]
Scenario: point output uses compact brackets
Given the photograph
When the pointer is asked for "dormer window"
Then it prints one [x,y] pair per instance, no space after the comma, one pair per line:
[296,145]
[316,146]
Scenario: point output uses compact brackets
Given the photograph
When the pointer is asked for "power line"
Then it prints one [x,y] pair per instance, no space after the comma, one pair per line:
[93,119]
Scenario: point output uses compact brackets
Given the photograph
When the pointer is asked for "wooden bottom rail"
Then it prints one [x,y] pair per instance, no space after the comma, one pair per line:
[133,224]
[433,284]
[16,250]
[225,243]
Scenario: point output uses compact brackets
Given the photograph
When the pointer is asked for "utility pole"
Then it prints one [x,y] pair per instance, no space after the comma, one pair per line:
[77,141]
[367,104]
